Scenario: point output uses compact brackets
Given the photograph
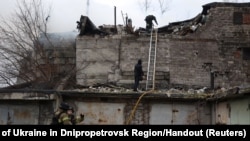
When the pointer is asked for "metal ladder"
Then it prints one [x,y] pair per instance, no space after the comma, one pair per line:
[150,82]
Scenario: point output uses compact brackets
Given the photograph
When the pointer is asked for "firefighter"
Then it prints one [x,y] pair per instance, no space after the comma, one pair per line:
[65,116]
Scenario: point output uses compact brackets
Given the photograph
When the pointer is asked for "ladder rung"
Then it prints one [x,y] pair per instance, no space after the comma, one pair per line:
[151,60]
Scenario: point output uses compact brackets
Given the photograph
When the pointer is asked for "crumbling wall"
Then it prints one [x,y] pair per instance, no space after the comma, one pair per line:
[216,49]
[234,43]
[188,56]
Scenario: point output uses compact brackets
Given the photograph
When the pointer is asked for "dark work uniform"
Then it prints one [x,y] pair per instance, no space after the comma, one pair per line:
[149,22]
[138,73]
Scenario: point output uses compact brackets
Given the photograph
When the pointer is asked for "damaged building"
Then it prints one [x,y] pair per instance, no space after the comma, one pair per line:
[201,74]
[213,44]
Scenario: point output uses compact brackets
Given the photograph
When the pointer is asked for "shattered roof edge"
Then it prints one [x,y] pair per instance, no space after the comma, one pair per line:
[226,4]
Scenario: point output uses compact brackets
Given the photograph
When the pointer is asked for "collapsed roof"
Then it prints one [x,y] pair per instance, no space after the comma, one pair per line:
[86,26]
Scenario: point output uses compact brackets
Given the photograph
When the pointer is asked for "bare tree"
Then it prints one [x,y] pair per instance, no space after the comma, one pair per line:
[145,5]
[162,5]
[24,56]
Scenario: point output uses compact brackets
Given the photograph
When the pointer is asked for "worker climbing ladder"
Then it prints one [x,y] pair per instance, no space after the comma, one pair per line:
[150,82]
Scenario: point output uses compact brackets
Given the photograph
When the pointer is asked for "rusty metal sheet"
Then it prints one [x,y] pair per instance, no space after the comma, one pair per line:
[101,113]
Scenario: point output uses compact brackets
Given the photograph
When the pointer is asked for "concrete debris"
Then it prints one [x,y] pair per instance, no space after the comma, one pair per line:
[172,92]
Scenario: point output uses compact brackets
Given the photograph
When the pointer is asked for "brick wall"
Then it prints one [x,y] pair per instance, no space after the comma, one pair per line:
[218,49]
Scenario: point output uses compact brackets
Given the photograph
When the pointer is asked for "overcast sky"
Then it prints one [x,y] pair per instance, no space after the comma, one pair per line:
[65,13]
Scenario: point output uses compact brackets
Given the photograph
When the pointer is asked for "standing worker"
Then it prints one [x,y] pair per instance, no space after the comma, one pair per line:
[149,22]
[138,74]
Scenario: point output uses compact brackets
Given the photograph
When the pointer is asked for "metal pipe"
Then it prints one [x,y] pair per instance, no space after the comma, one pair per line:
[115,18]
[212,80]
